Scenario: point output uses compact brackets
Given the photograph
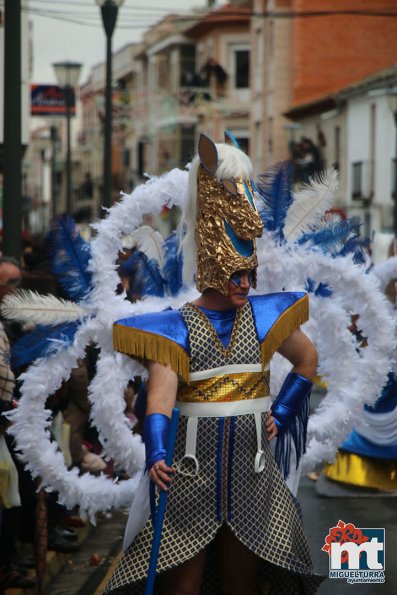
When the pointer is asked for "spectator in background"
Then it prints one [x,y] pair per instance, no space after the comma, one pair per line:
[10,501]
[307,159]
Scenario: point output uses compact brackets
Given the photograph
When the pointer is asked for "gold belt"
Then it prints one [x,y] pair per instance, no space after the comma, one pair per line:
[240,386]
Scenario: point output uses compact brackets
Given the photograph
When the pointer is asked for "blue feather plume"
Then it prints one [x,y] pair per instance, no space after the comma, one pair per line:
[387,401]
[143,274]
[333,237]
[275,190]
[69,256]
[173,264]
[322,289]
[357,247]
[40,343]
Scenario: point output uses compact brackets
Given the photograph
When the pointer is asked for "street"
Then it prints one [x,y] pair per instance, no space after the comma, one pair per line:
[319,514]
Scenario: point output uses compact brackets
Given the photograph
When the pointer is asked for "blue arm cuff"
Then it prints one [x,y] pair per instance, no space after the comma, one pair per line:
[290,400]
[155,433]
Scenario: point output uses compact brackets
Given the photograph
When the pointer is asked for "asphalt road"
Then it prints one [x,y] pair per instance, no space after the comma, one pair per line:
[321,513]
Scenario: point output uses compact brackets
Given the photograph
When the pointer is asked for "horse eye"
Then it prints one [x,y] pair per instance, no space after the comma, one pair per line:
[230,186]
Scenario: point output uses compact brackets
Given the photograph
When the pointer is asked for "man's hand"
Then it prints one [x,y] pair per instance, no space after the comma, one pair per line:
[162,388]
[271,427]
[161,475]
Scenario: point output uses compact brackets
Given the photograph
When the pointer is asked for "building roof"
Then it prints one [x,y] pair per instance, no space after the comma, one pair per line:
[225,15]
[386,78]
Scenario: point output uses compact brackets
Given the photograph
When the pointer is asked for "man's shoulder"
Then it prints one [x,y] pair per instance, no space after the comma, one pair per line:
[166,323]
[156,336]
[276,316]
[152,321]
[276,302]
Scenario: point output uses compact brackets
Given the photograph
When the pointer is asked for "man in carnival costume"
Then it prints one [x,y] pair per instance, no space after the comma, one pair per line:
[211,358]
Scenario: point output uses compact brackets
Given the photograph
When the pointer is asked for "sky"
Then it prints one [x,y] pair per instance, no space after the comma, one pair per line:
[72,30]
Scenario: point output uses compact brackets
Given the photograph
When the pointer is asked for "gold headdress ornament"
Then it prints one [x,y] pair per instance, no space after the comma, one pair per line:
[227,220]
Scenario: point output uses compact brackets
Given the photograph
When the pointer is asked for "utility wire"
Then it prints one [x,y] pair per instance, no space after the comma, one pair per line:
[87,23]
[73,17]
[84,15]
[160,9]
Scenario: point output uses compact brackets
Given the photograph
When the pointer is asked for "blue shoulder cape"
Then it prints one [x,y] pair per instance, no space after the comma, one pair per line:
[163,336]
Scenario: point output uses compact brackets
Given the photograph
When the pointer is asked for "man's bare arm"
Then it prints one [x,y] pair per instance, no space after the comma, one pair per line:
[162,388]
[302,354]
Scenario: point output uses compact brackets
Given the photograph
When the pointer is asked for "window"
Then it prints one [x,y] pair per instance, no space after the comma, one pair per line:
[242,69]
[394,177]
[337,148]
[357,171]
[259,47]
[372,124]
[240,66]
[258,73]
[361,180]
[258,140]
[187,143]
[244,143]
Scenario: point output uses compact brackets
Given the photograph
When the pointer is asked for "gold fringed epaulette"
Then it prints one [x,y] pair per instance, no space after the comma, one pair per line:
[152,347]
[287,323]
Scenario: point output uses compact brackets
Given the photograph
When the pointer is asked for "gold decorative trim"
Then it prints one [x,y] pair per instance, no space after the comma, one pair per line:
[241,386]
[150,346]
[284,326]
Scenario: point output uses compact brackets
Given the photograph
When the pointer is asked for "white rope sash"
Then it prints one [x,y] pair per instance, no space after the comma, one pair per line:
[221,409]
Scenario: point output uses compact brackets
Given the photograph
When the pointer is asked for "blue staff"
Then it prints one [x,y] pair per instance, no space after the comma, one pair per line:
[158,522]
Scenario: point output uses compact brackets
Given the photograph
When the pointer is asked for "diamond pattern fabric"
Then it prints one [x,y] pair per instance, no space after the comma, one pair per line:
[258,507]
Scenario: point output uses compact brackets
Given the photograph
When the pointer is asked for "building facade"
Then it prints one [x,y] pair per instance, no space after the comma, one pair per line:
[357,129]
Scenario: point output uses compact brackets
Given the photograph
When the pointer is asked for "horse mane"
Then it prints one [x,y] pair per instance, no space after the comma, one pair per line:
[232,163]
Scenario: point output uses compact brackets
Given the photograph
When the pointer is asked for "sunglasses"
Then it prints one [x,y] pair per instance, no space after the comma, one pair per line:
[237,277]
[11,283]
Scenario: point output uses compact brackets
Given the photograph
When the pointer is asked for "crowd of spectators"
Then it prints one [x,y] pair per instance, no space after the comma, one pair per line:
[21,504]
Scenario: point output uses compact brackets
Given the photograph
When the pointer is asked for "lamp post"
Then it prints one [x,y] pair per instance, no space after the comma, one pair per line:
[12,201]
[67,74]
[54,139]
[109,10]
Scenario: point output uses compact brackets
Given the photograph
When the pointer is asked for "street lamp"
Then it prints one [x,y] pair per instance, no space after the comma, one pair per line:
[67,74]
[109,10]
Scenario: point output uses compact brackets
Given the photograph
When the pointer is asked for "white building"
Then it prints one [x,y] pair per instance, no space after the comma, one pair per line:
[356,132]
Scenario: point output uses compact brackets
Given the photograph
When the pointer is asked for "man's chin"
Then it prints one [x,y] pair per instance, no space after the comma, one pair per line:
[241,300]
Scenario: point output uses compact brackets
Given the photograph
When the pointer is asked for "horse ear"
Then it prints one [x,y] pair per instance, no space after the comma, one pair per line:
[208,154]
[230,186]
[231,140]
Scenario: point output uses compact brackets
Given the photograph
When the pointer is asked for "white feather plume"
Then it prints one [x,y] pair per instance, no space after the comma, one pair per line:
[386,271]
[149,241]
[30,306]
[310,204]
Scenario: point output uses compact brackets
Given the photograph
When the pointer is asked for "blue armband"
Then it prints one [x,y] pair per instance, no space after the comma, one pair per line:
[290,410]
[155,433]
[289,401]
